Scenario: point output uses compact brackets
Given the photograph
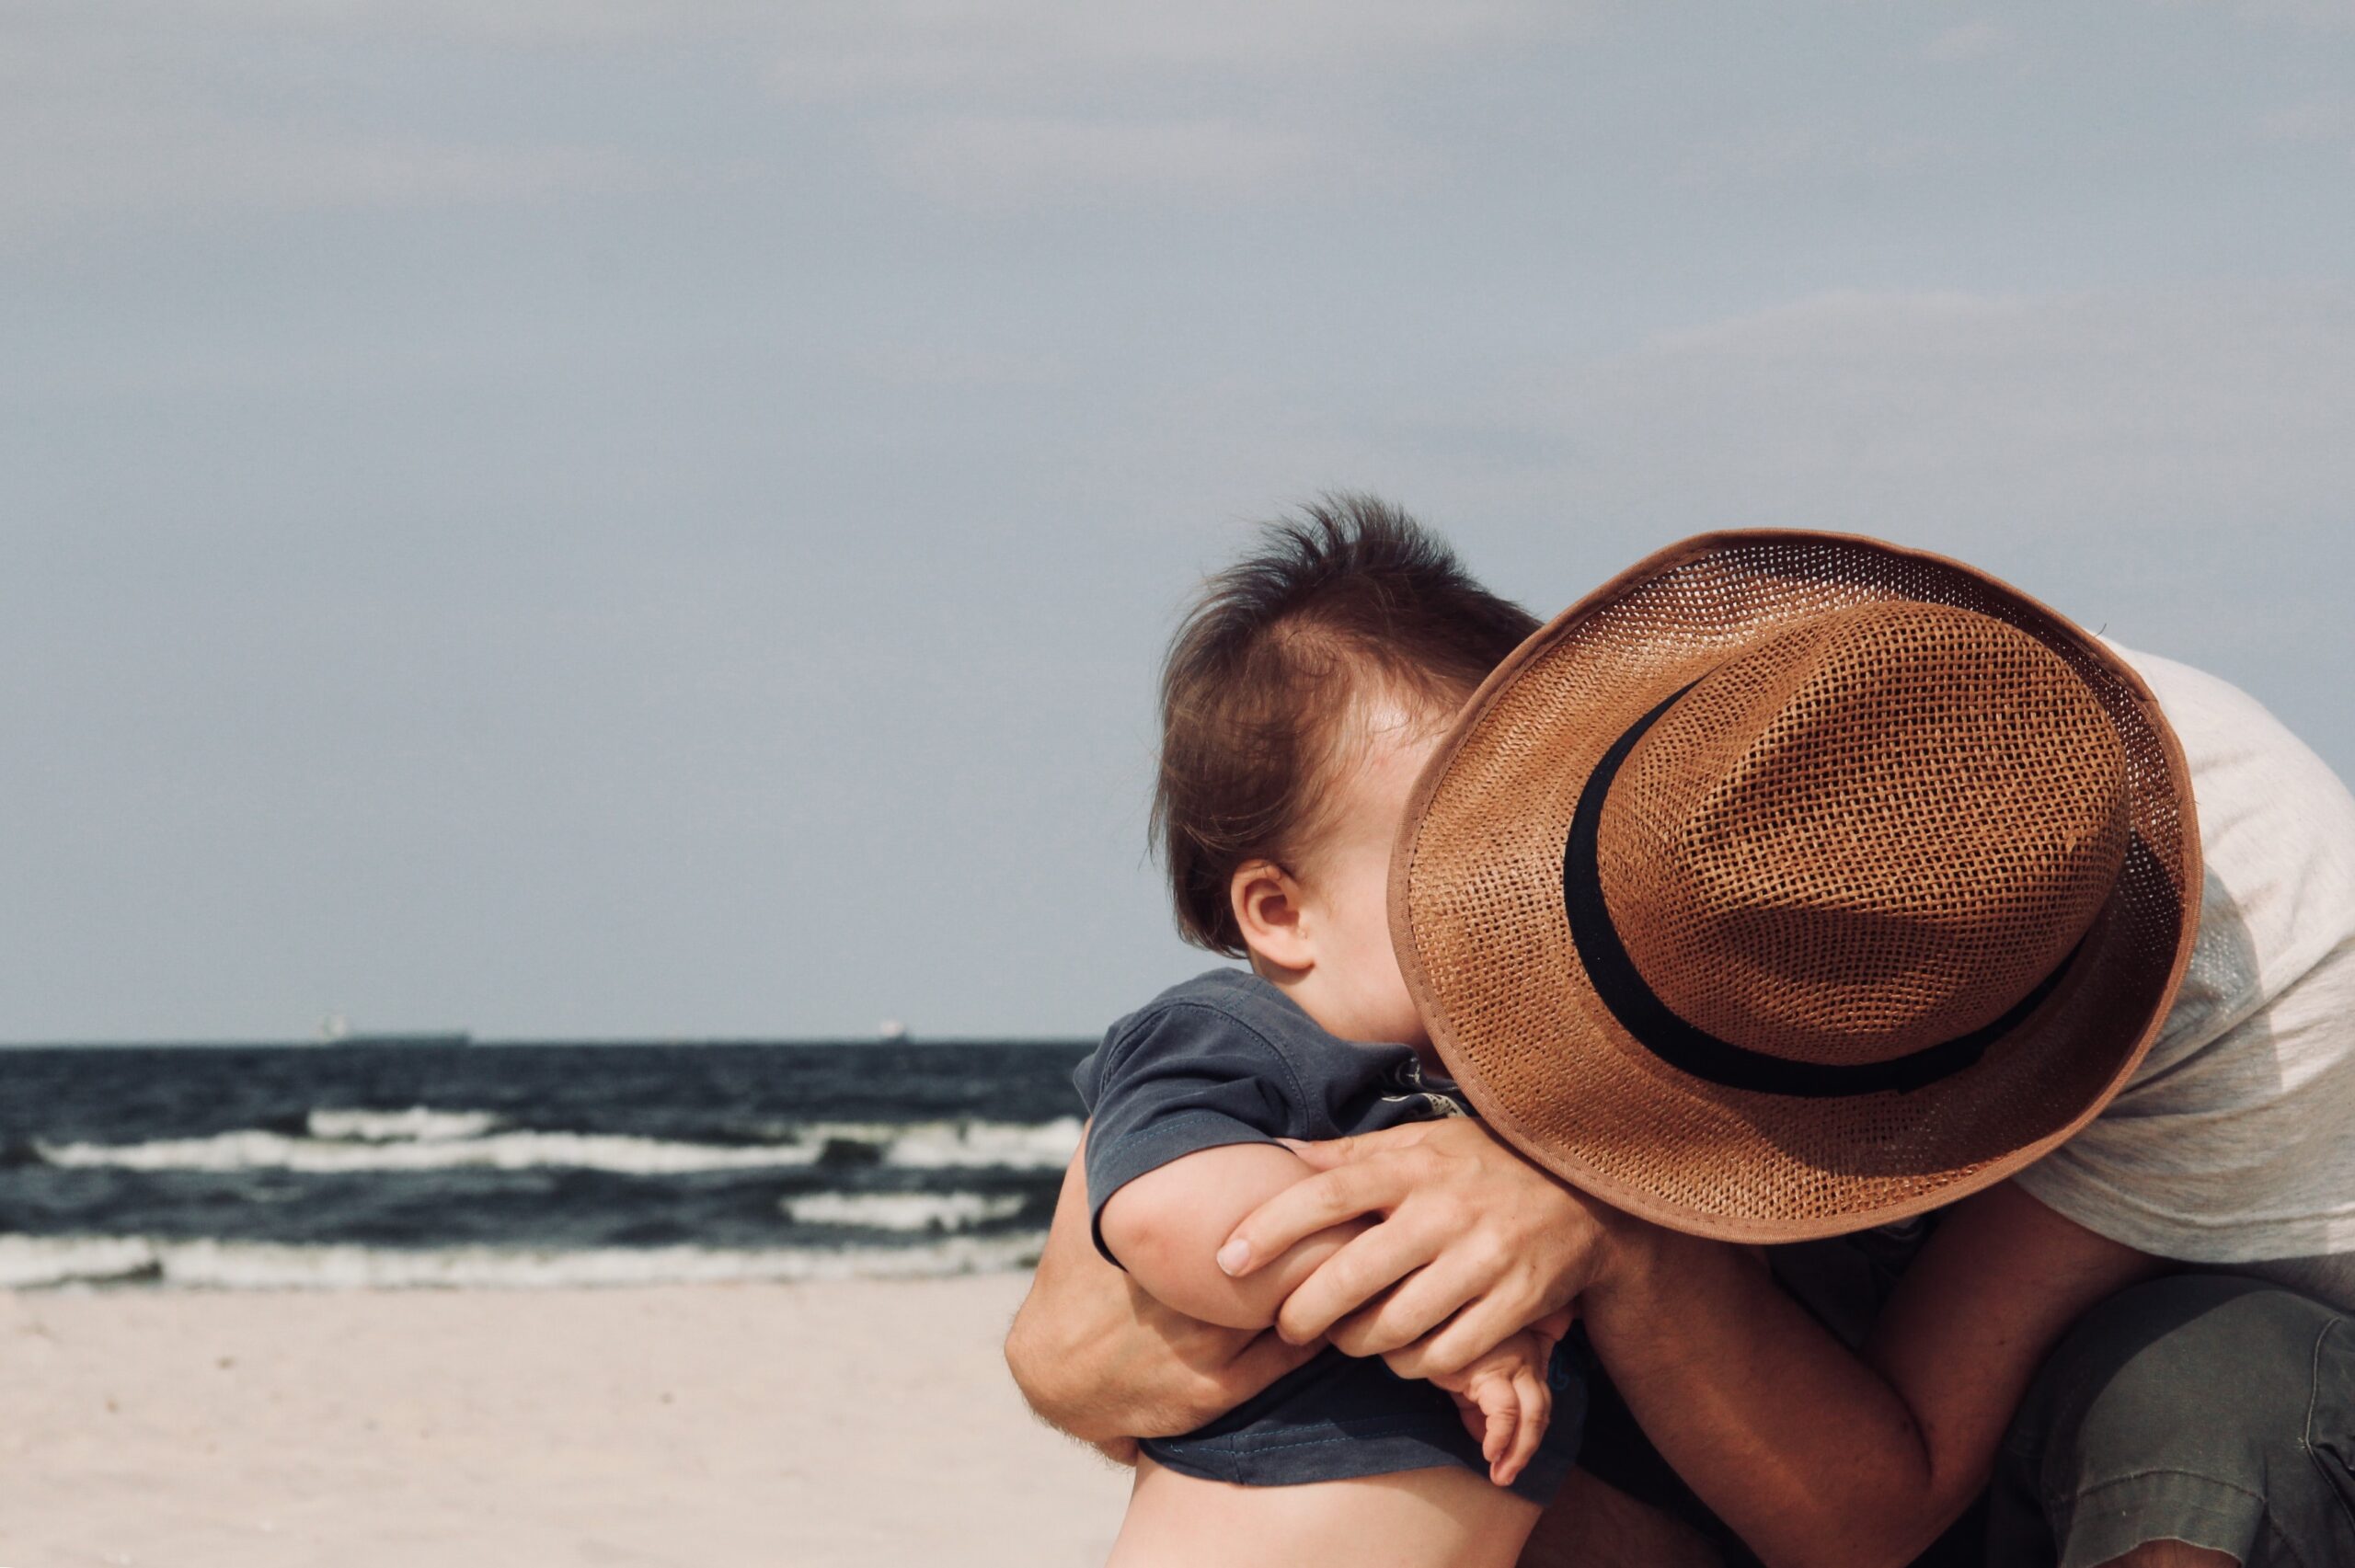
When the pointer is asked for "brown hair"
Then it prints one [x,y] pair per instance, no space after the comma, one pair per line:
[1259,683]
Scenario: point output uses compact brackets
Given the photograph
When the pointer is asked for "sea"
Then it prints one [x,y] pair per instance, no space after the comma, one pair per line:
[438,1164]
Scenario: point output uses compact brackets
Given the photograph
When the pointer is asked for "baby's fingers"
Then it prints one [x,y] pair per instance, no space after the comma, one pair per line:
[1501,1414]
[1536,1410]
[1498,1441]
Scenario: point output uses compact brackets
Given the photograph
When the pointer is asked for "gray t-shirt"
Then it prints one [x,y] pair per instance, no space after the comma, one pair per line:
[1226,1058]
[2234,1144]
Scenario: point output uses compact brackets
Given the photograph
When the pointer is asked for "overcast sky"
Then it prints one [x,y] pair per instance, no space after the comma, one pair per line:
[659,517]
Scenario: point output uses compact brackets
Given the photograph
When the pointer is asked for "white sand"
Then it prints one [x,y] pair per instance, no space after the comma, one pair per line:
[868,1424]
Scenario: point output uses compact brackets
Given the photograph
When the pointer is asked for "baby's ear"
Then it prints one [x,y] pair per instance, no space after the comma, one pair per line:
[1267,902]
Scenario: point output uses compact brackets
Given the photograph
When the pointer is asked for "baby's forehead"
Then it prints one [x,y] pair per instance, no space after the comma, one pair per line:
[1376,707]
[1375,724]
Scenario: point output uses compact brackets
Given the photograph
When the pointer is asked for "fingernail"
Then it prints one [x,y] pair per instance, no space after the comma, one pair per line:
[1234,1255]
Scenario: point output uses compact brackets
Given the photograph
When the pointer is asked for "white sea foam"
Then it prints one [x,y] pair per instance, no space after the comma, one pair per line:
[252,1150]
[28,1262]
[903,1211]
[1032,1145]
[418,1124]
[438,1145]
[38,1262]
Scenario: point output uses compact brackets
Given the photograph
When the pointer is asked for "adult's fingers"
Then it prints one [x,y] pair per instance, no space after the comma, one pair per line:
[1471,1334]
[1426,1298]
[1554,1327]
[1366,1265]
[1300,1210]
[1478,1329]
[1335,1152]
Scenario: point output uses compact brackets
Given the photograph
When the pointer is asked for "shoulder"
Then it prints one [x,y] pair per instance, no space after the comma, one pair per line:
[2245,762]
[1226,1020]
[2277,837]
[1227,1001]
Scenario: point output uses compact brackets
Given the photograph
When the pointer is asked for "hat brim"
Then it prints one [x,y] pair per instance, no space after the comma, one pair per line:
[1483,939]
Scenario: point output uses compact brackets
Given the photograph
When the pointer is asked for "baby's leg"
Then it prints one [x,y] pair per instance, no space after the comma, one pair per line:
[1446,1516]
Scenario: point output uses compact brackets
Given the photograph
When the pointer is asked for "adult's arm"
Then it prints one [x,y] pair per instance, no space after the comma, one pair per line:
[1103,1360]
[1816,1455]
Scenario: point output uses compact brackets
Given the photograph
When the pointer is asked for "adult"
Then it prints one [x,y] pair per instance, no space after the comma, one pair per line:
[2131,1346]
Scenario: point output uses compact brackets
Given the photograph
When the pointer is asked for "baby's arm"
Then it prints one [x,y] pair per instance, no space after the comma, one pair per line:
[1166,1226]
[1505,1399]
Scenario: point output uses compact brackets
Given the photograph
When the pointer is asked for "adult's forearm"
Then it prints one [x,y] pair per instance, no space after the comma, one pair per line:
[1104,1361]
[1817,1454]
[1805,1451]
[1047,1348]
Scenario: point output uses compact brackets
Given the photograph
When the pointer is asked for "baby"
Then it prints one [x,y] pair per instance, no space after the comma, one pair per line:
[1299,703]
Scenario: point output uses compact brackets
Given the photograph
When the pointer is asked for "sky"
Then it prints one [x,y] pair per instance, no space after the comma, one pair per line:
[660,520]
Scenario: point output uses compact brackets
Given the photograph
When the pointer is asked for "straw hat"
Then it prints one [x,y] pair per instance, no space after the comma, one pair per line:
[1793,883]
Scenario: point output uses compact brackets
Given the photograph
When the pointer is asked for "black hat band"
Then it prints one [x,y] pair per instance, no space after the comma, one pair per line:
[1691,1049]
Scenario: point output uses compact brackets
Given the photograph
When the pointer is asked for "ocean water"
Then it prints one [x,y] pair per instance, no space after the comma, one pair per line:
[423,1165]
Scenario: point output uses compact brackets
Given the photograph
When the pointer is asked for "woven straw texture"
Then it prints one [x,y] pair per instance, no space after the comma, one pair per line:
[1895,796]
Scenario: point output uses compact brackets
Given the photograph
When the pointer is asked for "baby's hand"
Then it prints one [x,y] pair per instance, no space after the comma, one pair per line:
[1505,1399]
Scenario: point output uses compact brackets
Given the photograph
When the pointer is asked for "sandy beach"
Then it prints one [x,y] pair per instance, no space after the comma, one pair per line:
[863,1422]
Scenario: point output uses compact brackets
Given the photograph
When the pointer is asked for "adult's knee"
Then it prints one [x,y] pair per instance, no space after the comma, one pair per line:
[2179,1410]
[2166,1371]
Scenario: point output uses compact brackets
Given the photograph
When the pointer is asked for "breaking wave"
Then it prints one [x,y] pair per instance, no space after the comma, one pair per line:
[528,1166]
[903,1211]
[422,1139]
[418,1124]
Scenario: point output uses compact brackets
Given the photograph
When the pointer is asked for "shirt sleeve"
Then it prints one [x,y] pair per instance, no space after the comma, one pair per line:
[1181,1080]
[2235,1152]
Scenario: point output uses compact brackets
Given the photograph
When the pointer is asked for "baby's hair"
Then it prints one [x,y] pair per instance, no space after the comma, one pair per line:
[1346,598]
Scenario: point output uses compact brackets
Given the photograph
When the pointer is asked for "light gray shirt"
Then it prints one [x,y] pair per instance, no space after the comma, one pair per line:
[2234,1144]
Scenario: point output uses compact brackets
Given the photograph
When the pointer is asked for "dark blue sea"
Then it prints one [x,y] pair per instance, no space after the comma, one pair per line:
[349,1165]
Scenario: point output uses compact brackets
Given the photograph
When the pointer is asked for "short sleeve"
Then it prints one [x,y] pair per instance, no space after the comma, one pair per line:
[2236,1153]
[1176,1081]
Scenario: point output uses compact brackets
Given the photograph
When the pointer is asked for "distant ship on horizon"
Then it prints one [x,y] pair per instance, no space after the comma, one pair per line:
[335,1029]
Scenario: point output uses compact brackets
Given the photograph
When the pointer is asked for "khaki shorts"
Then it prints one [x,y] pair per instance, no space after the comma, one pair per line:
[2207,1409]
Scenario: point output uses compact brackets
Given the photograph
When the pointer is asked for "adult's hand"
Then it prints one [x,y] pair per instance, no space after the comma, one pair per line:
[1476,1242]
[1104,1361]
